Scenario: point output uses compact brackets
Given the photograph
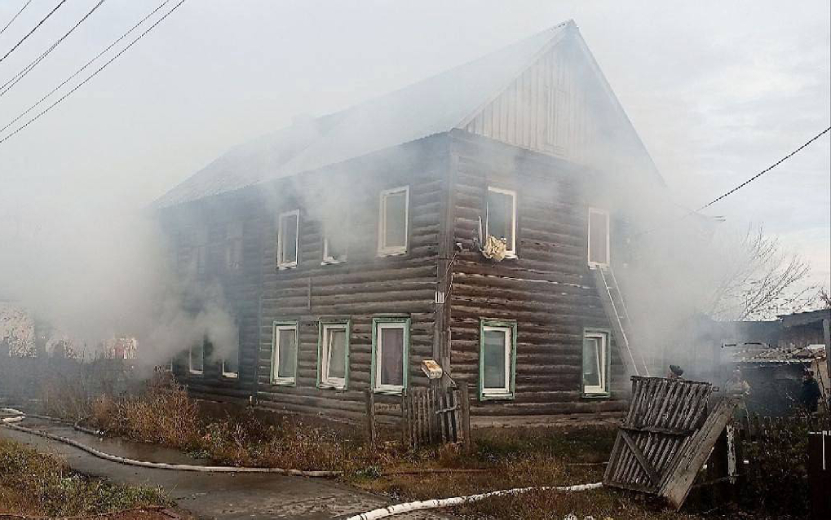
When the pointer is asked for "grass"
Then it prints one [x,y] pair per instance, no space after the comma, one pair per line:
[34,483]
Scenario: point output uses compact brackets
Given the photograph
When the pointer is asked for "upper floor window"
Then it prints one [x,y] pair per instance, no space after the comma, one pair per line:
[335,243]
[598,237]
[595,363]
[233,246]
[390,350]
[500,220]
[196,358]
[288,232]
[284,353]
[333,355]
[393,226]
[497,357]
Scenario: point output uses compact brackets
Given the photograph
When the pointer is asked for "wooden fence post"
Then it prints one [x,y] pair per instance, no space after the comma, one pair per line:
[370,418]
[465,404]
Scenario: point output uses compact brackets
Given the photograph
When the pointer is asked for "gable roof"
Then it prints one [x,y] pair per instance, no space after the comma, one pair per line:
[432,106]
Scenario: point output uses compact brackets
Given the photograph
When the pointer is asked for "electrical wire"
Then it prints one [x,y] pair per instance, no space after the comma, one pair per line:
[737,188]
[769,168]
[82,83]
[87,64]
[35,28]
[28,68]
[15,17]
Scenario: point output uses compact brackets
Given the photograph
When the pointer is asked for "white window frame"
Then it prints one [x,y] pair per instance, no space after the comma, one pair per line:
[192,370]
[379,326]
[505,392]
[603,362]
[510,248]
[338,383]
[279,327]
[605,214]
[230,374]
[327,258]
[383,249]
[281,262]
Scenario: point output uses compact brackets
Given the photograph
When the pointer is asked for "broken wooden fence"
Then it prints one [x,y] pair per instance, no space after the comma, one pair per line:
[660,443]
[433,415]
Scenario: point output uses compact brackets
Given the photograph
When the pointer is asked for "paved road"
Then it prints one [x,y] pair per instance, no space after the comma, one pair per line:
[209,495]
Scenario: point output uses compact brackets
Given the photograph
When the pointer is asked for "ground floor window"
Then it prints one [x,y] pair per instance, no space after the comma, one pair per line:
[390,350]
[284,353]
[196,358]
[595,363]
[333,355]
[230,365]
[497,359]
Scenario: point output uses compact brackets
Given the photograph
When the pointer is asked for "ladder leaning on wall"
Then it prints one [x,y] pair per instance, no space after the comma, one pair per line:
[615,308]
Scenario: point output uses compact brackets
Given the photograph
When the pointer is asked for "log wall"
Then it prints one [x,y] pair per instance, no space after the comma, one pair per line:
[363,287]
[547,289]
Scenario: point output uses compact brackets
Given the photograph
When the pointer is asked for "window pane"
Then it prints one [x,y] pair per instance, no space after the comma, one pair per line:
[392,356]
[598,235]
[196,357]
[287,353]
[337,353]
[336,241]
[500,216]
[395,215]
[494,359]
[289,239]
[230,363]
[591,362]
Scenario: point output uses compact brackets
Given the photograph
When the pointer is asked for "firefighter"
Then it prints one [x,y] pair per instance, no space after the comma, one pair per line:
[675,372]
[809,397]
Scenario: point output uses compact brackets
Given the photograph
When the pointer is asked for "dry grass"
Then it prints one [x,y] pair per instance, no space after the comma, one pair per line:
[34,483]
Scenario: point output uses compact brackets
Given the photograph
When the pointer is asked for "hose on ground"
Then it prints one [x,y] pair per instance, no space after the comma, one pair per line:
[437,503]
[9,422]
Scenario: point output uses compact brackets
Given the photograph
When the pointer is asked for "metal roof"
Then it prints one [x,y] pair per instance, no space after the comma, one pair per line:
[435,105]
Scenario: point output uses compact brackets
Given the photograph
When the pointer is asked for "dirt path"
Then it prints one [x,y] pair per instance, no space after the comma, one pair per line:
[208,495]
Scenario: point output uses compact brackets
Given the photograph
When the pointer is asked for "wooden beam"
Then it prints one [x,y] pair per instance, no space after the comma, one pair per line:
[647,467]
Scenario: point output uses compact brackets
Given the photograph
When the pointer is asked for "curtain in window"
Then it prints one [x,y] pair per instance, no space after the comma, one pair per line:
[395,214]
[336,350]
[392,356]
[494,359]
[287,354]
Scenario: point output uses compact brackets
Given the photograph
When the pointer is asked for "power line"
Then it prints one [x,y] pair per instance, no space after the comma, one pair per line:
[737,188]
[102,67]
[769,168]
[35,28]
[28,68]
[87,64]
[15,17]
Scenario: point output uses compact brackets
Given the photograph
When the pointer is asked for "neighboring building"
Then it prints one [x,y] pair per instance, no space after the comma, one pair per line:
[462,219]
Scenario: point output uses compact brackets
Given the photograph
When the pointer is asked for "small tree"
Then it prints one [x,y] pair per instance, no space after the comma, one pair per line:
[760,280]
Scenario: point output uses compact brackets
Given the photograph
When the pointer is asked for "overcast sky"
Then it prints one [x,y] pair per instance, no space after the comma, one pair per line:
[717,90]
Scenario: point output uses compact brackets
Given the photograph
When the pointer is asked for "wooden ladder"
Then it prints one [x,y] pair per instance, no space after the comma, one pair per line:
[616,310]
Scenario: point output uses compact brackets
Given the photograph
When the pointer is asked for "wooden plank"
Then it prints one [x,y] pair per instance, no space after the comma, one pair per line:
[465,396]
[636,451]
[370,418]
[680,480]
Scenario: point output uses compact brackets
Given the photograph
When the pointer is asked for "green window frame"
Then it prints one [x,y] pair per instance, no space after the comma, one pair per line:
[507,390]
[279,328]
[378,326]
[600,360]
[323,378]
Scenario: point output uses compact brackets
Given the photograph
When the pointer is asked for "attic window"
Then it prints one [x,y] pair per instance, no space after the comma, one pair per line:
[287,239]
[392,222]
[558,120]
[200,253]
[598,238]
[500,220]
